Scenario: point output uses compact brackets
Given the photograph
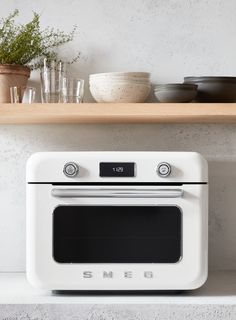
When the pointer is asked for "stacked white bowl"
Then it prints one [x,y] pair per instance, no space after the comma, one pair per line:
[123,87]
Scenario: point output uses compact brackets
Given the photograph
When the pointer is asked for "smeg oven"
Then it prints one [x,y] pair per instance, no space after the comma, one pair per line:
[117,220]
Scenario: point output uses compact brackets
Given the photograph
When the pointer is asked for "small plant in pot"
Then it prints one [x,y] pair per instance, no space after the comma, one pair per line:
[22,48]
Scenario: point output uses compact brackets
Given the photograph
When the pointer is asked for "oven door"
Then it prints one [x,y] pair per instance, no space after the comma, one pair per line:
[91,238]
[117,234]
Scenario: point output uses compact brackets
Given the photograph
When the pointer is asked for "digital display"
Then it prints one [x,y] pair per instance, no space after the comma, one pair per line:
[117,169]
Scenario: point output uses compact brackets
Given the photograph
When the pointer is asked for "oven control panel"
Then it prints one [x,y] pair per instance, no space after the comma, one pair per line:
[117,167]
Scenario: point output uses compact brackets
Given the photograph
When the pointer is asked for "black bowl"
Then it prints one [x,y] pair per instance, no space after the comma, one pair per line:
[214,89]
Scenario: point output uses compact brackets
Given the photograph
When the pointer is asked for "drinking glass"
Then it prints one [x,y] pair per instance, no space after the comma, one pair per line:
[22,94]
[72,90]
[51,81]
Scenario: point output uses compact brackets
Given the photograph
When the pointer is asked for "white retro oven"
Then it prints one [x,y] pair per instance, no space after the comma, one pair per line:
[117,220]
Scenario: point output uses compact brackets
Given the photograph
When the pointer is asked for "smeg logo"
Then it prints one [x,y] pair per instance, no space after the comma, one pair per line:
[112,275]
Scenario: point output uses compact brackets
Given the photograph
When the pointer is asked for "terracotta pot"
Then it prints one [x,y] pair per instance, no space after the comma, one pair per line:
[12,75]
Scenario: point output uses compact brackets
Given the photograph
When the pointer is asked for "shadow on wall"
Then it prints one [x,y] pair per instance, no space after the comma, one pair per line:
[222,214]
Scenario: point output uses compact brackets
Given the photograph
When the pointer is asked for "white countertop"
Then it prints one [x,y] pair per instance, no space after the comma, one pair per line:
[219,289]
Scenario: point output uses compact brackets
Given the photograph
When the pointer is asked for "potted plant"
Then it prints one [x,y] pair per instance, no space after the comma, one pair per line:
[22,48]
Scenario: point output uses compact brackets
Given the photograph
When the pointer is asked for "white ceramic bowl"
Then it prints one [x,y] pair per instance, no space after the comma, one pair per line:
[111,78]
[120,78]
[128,81]
[119,92]
[122,74]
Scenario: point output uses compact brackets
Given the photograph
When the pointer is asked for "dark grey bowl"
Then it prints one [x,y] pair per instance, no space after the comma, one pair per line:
[214,89]
[176,92]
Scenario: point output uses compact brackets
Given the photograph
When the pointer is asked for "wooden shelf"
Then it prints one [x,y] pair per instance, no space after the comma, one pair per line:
[118,113]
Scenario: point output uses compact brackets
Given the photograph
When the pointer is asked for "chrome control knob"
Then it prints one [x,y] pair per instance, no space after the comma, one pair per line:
[163,169]
[71,169]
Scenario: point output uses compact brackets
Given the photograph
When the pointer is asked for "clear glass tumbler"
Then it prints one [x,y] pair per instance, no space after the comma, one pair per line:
[72,90]
[51,81]
[22,94]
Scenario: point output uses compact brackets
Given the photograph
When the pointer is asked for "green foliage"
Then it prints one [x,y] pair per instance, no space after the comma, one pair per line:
[27,44]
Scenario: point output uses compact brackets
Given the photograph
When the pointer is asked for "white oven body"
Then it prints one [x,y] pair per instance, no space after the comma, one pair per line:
[46,193]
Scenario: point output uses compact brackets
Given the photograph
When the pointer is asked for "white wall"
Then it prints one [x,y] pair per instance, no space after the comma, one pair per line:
[169,38]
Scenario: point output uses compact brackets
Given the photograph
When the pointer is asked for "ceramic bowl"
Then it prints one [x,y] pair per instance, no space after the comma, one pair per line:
[123,92]
[175,92]
[214,89]
[127,81]
[144,80]
[127,77]
[122,74]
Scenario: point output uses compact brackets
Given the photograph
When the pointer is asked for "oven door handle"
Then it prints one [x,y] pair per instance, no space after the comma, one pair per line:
[117,193]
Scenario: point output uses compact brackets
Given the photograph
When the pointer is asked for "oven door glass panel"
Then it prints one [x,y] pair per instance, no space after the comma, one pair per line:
[117,234]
